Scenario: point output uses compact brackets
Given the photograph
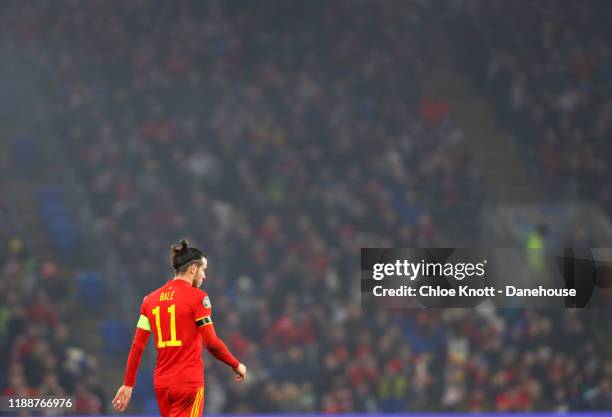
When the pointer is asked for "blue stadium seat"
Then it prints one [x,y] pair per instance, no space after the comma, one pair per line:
[91,288]
[115,336]
[62,230]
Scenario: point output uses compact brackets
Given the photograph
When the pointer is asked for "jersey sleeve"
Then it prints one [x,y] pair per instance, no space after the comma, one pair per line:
[216,346]
[202,310]
[141,336]
[143,321]
[203,319]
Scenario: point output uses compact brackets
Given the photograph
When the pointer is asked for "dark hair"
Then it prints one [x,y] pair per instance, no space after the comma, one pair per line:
[183,255]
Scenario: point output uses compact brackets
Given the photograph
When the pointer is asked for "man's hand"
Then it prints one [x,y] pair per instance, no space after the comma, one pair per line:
[240,371]
[122,399]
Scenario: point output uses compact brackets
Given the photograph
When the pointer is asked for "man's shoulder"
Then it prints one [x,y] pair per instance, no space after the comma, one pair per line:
[199,294]
[201,297]
[193,293]
[154,294]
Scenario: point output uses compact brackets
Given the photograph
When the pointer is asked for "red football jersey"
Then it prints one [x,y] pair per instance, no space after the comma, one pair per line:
[171,313]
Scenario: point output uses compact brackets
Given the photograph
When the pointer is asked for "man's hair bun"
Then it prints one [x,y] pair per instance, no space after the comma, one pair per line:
[182,255]
[181,247]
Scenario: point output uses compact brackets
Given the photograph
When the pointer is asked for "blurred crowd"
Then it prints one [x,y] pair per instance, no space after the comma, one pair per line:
[38,354]
[548,69]
[282,138]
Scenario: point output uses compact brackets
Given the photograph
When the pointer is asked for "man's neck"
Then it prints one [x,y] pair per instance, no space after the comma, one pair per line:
[182,278]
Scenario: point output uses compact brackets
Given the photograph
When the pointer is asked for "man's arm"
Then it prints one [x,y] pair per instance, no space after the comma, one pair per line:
[216,345]
[202,311]
[217,348]
[138,345]
[141,336]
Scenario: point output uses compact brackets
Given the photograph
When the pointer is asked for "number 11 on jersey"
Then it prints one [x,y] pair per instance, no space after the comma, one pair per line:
[172,342]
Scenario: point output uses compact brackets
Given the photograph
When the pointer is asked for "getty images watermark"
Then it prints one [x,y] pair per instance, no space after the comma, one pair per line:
[452,277]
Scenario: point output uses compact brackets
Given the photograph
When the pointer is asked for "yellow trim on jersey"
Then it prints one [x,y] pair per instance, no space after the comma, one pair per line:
[200,401]
[196,404]
[143,323]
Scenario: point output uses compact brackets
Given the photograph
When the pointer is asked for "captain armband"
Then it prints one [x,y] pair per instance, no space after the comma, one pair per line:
[143,323]
[203,321]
